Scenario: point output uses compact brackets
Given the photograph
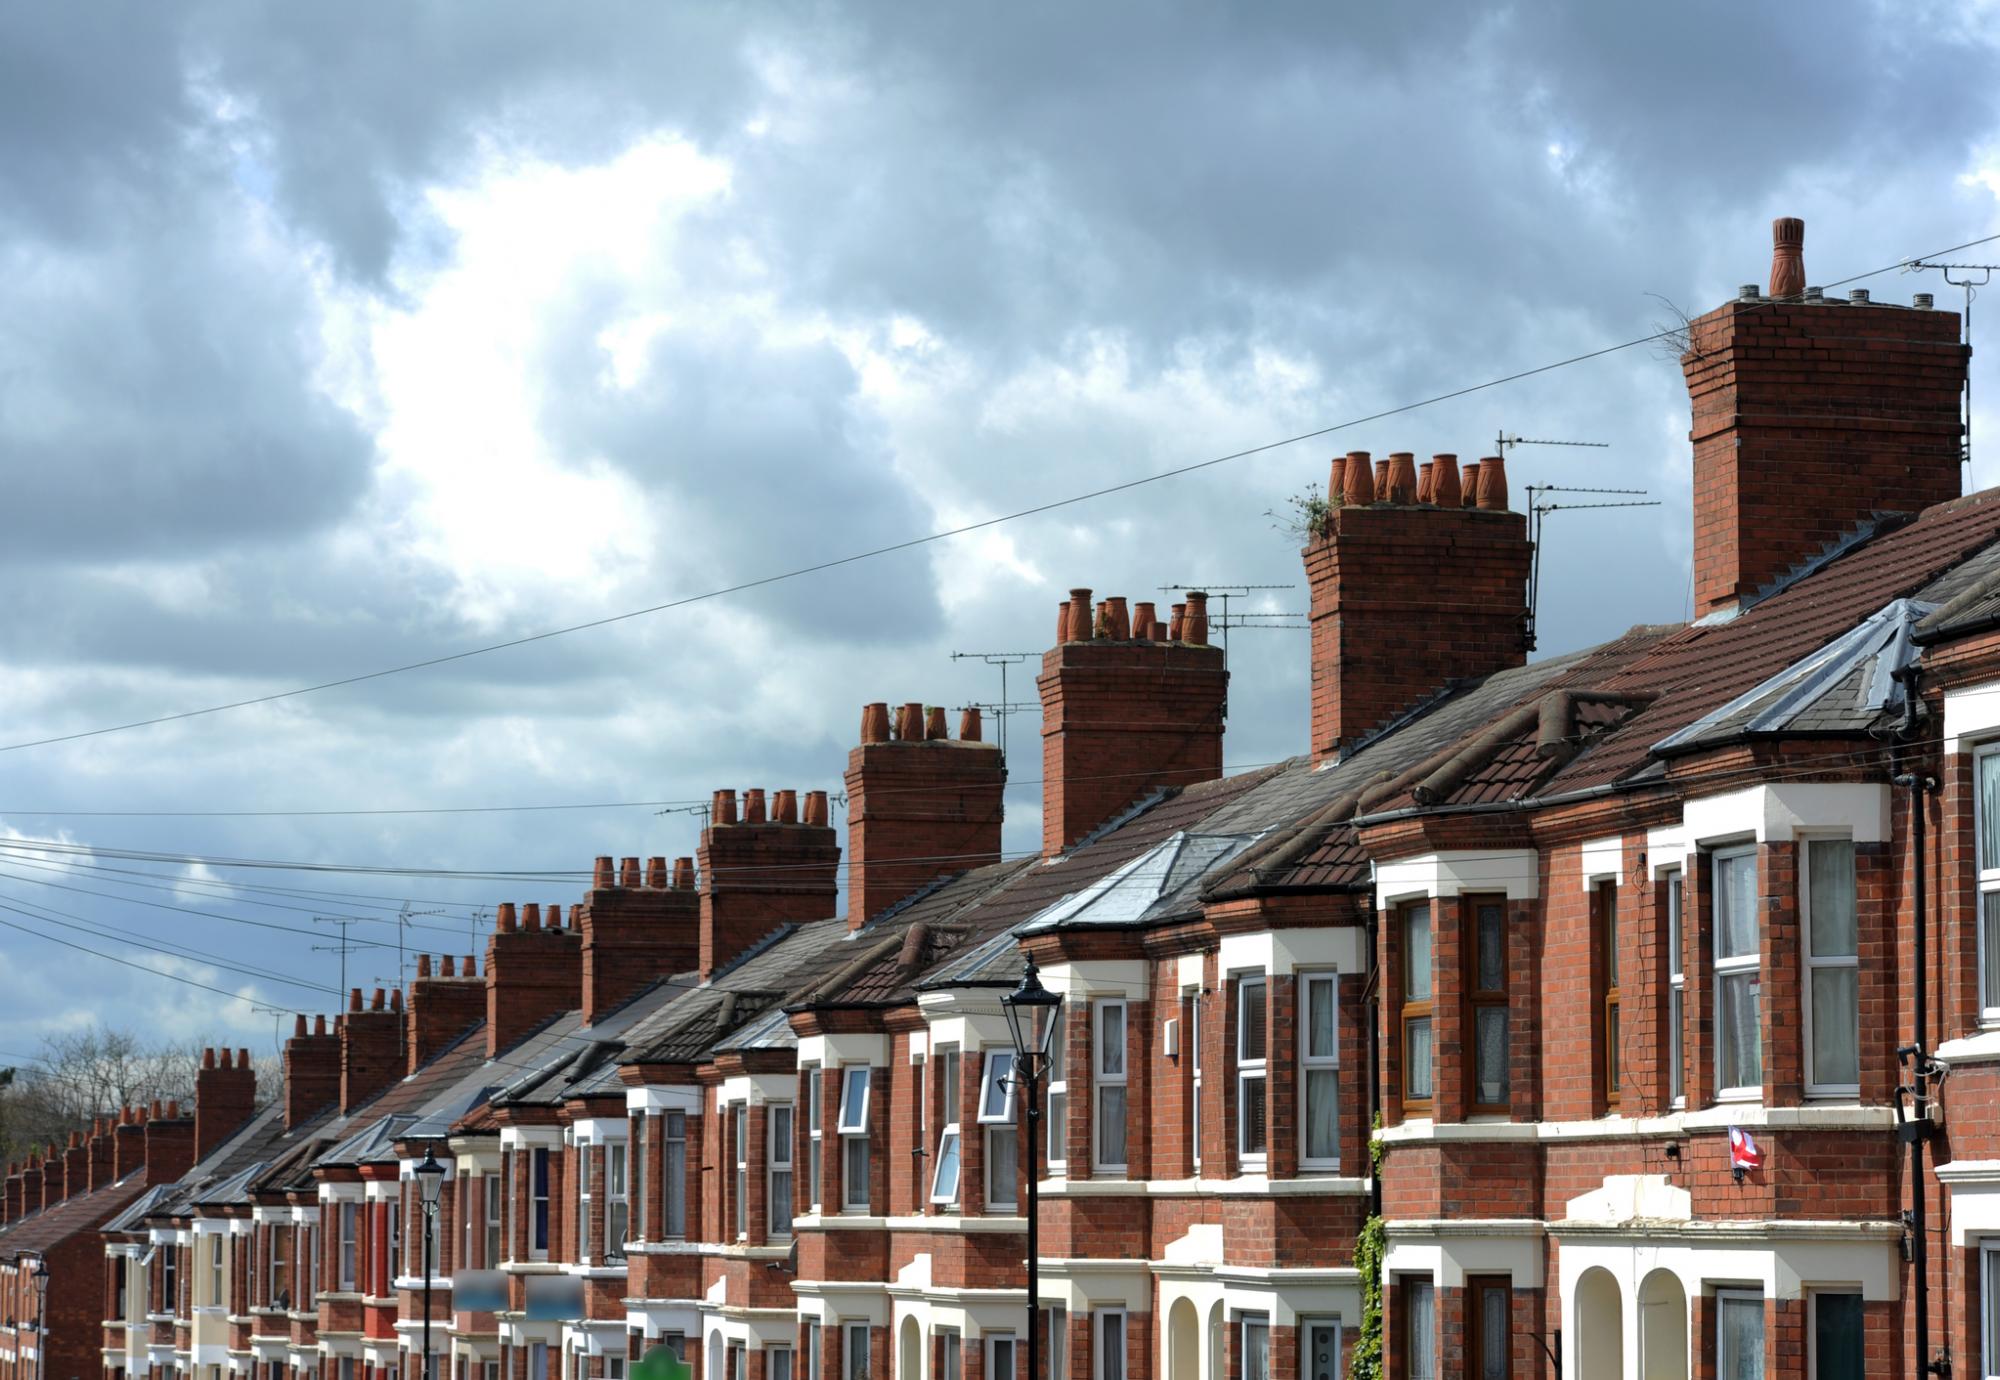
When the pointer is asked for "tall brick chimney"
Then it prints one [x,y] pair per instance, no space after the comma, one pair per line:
[1126,709]
[31,1186]
[225,1095]
[11,1205]
[312,1071]
[169,1145]
[763,870]
[128,1143]
[533,971]
[919,805]
[371,1049]
[101,1153]
[444,1003]
[75,1166]
[1811,415]
[636,927]
[1408,596]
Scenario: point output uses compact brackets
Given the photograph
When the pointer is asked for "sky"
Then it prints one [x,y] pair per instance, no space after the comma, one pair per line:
[334,338]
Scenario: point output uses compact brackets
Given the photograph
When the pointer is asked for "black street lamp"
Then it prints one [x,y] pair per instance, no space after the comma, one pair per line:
[430,1185]
[40,1276]
[1032,1016]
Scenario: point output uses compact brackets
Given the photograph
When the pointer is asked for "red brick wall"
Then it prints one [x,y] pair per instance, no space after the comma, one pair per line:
[757,877]
[918,809]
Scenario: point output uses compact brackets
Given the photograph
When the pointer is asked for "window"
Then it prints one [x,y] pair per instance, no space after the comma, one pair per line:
[999,1356]
[1108,1087]
[1739,1334]
[1417,1008]
[642,1216]
[1486,989]
[814,1135]
[777,1363]
[854,1137]
[395,1218]
[1833,971]
[920,1083]
[951,1356]
[349,1217]
[1319,1065]
[1420,1329]
[1489,1327]
[1605,903]
[1319,1343]
[1836,1336]
[538,1359]
[1987,808]
[1057,1102]
[1250,1064]
[855,1353]
[281,1270]
[1003,1139]
[1256,1344]
[215,1292]
[739,1363]
[1194,1079]
[538,1201]
[1108,1345]
[1989,1259]
[1055,1349]
[944,1182]
[673,1174]
[579,1160]
[170,1279]
[812,1351]
[739,1137]
[1739,1047]
[778,1162]
[617,1201]
[1676,991]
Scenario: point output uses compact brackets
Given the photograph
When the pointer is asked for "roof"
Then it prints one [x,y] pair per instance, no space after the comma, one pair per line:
[756,984]
[87,1212]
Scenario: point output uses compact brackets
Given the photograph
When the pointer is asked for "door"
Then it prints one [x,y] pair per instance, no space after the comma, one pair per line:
[1489,1327]
[1322,1350]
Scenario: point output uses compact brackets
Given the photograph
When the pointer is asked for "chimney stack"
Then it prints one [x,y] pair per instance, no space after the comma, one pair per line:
[918,808]
[76,1167]
[1810,417]
[312,1071]
[633,934]
[1407,597]
[225,1097]
[756,877]
[444,1003]
[169,1145]
[371,1049]
[1122,717]
[102,1154]
[532,973]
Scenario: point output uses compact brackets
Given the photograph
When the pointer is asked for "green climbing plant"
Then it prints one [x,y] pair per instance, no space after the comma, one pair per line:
[1368,1252]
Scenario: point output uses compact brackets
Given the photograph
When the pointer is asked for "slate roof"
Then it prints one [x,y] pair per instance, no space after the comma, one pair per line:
[51,1226]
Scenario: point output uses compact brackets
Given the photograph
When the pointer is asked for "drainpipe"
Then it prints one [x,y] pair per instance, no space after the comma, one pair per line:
[1917,1128]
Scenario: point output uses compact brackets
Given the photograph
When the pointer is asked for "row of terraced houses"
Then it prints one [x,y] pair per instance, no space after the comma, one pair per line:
[1629,1012]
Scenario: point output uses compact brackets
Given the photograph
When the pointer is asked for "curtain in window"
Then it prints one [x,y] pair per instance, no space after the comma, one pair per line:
[1741,1337]
[1989,811]
[1322,1122]
[1491,1034]
[1836,1009]
[1741,1036]
[1417,1074]
[1421,1332]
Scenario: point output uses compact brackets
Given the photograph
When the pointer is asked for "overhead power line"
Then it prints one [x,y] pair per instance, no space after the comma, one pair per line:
[912,543]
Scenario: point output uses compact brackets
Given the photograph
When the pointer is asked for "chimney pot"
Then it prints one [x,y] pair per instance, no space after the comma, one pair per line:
[816,810]
[423,965]
[1493,483]
[723,810]
[969,728]
[934,724]
[1424,491]
[656,874]
[396,999]
[1079,616]
[173,1109]
[381,1002]
[1062,626]
[628,873]
[1102,627]
[1858,296]
[448,964]
[909,723]
[1336,480]
[1445,491]
[1382,482]
[1144,615]
[505,923]
[575,916]
[785,812]
[531,915]
[684,871]
[1179,625]
[1194,630]
[1748,293]
[242,1058]
[208,1058]
[1402,477]
[1470,487]
[319,1025]
[753,805]
[1358,484]
[468,968]
[299,1025]
[1922,301]
[875,717]
[1788,265]
[354,999]
[1118,621]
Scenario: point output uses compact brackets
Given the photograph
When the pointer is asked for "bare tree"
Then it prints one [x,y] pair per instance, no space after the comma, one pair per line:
[84,1074]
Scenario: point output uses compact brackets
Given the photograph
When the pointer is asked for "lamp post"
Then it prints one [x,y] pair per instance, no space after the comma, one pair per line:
[430,1184]
[40,1276]
[1032,1012]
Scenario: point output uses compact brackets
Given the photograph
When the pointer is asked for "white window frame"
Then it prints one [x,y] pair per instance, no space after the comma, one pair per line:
[580,1162]
[1720,968]
[1813,1296]
[1244,1322]
[1102,1078]
[1989,1335]
[1055,1154]
[739,1132]
[812,1346]
[1305,1330]
[1676,884]
[217,1291]
[673,1187]
[1813,963]
[1001,1123]
[853,1129]
[778,1363]
[993,1342]
[1055,1318]
[951,1354]
[1310,1062]
[541,1212]
[950,1147]
[1723,1370]
[777,1166]
[1250,1071]
[1194,1079]
[348,1245]
[815,1094]
[1988,872]
[847,1367]
[1102,1322]
[641,1137]
[617,1198]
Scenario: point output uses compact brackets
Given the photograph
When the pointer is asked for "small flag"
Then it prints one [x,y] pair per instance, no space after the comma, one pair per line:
[1743,1151]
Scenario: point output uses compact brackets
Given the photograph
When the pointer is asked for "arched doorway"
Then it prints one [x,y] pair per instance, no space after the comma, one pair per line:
[910,1360]
[1183,1342]
[1600,1326]
[1663,1328]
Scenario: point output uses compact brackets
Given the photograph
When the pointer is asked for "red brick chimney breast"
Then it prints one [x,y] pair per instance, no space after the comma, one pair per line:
[532,973]
[225,1096]
[918,808]
[633,934]
[761,874]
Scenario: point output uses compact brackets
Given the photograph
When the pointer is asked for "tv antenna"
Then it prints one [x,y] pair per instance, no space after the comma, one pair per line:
[1226,620]
[345,922]
[1972,277]
[1539,509]
[1504,443]
[277,1015]
[1004,707]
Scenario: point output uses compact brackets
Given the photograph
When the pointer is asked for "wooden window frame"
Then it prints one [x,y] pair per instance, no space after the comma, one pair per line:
[1610,1054]
[1479,998]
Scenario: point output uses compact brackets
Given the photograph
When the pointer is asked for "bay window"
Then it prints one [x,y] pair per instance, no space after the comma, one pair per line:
[778,1169]
[1833,971]
[579,1161]
[280,1287]
[996,1114]
[1417,1008]
[1250,1071]
[944,1183]
[350,1216]
[538,1204]
[853,1129]
[642,1139]
[1319,1070]
[1739,1044]
[1108,1087]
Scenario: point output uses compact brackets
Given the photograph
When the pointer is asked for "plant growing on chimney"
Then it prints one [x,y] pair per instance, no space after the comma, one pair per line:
[1303,515]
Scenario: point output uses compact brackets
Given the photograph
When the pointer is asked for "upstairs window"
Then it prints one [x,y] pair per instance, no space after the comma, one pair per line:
[1486,994]
[778,1161]
[854,1137]
[1986,807]
[1676,991]
[815,1134]
[673,1175]
[1739,1040]
[1108,1087]
[1417,1009]
[642,1139]
[739,1135]
[1833,971]
[1604,904]
[1250,1069]
[216,1295]
[1319,1070]
[281,1268]
[617,1201]
[579,1162]
[350,1216]
[944,1183]
[996,1114]
[1194,1080]
[538,1204]
[1057,1117]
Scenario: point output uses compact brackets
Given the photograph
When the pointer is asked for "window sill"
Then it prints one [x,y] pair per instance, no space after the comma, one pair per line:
[1981,1048]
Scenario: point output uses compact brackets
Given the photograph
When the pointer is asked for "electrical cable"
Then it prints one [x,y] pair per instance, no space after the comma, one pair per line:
[913,542]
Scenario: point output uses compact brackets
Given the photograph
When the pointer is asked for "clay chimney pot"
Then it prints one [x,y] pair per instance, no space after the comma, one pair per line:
[1788,262]
[423,965]
[1403,477]
[1493,483]
[319,1025]
[1470,492]
[656,874]
[299,1026]
[1144,615]
[723,809]
[601,875]
[910,723]
[1079,616]
[753,805]
[816,813]
[449,965]
[354,999]
[1359,484]
[506,921]
[1195,630]
[208,1058]
[1118,621]
[934,724]
[875,717]
[381,1002]
[1179,625]
[785,811]
[1424,490]
[1382,481]
[628,872]
[970,730]
[531,916]
[684,872]
[1445,491]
